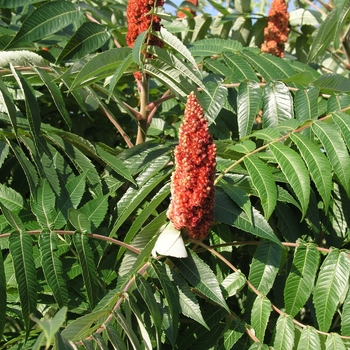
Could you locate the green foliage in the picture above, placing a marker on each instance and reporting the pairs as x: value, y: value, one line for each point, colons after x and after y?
x: 85, y: 185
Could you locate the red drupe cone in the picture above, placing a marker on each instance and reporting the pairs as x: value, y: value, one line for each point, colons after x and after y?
x: 139, y: 20
x: 192, y: 182
x: 276, y: 31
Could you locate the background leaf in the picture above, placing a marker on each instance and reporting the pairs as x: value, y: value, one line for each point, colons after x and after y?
x: 88, y: 38
x: 45, y: 21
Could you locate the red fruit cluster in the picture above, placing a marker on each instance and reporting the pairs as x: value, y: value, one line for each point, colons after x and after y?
x: 276, y: 31
x: 139, y: 20
x: 192, y: 182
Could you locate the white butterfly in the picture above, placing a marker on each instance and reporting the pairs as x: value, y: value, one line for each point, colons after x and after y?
x: 170, y: 243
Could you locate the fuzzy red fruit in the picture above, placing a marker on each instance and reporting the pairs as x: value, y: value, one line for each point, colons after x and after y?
x: 192, y: 182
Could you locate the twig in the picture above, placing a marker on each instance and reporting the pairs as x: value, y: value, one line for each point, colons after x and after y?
x: 315, y: 7
x: 154, y: 105
x: 117, y: 126
x: 282, y: 138
x: 218, y: 255
x: 327, y: 6
x: 92, y: 235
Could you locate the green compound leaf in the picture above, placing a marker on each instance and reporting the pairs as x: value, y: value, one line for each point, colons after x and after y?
x: 88, y: 267
x: 100, y: 66
x: 264, y: 267
x: 318, y: 165
x: 228, y: 212
x: 56, y: 95
x: 342, y: 120
x: 21, y: 248
x: 277, y: 104
x: 248, y: 106
x: 42, y: 203
x: 188, y: 303
x: 51, y: 327
x: 334, y: 342
x: 46, y: 20
x: 263, y: 182
x: 202, y: 278
x: 345, y: 320
x: 284, y: 333
x: 331, y: 284
x: 31, y: 103
x: 309, y: 339
x: 260, y: 314
x: 80, y: 328
x: 300, y: 281
x: 295, y: 171
x: 306, y: 103
x: 52, y: 267
x: 3, y: 295
x: 88, y: 38
x: 336, y: 151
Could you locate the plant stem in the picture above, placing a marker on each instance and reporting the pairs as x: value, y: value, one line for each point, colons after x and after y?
x: 142, y: 121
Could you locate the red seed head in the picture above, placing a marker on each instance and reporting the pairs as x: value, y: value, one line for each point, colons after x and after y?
x: 276, y: 31
x: 192, y: 182
x: 139, y: 20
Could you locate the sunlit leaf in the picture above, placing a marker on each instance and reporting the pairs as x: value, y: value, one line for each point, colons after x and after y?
x: 318, y: 165
x: 264, y: 267
x: 284, y: 333
x: 260, y: 315
x: 300, y: 281
x: 330, y: 286
x: 295, y: 171
x: 263, y: 182
x: 309, y: 339
x: 277, y: 104
x: 336, y: 151
x: 248, y: 106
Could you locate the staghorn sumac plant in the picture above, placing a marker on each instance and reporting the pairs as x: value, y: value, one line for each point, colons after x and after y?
x: 94, y: 165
